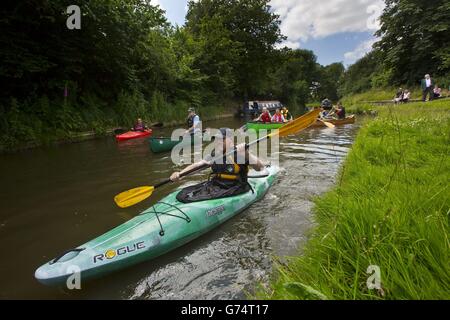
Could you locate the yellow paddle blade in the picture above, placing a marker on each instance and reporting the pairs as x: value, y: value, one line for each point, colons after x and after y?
x: 131, y: 197
x: 298, y: 124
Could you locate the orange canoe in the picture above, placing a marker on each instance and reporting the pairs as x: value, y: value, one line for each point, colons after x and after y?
x: 348, y: 120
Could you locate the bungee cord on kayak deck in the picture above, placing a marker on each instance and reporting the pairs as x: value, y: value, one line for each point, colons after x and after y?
x: 157, y: 213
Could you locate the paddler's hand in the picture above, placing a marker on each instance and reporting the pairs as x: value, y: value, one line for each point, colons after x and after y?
x: 241, y: 148
x: 175, y: 177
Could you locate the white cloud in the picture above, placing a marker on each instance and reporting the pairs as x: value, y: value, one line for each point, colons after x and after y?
x: 156, y: 3
x: 305, y: 19
x: 360, y: 51
x: 289, y: 44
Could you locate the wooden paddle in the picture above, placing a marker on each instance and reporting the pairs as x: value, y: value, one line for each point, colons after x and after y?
x: 134, y: 196
x: 328, y: 124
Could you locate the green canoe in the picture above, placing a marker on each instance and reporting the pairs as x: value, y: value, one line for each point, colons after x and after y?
x: 264, y: 126
x: 165, y: 144
x: 162, y: 144
x: 161, y: 228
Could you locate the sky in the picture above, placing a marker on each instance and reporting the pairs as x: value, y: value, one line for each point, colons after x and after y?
x: 336, y: 30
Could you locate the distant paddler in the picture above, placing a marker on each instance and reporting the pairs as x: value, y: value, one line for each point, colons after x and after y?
x: 193, y: 122
x: 340, y: 111
x: 286, y: 114
x: 139, y: 126
x: 278, y: 117
x: 265, y: 116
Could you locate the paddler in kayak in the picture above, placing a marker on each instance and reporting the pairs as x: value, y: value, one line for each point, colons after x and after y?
x: 265, y: 116
x: 139, y: 126
x: 193, y: 122
x: 229, y: 175
x: 278, y: 117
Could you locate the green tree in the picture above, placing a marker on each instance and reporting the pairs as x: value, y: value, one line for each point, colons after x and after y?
x: 294, y: 74
x: 238, y: 38
x: 415, y: 38
x: 358, y: 77
x: 329, y: 78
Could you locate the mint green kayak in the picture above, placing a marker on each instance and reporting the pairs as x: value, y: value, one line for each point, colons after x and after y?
x: 163, y: 227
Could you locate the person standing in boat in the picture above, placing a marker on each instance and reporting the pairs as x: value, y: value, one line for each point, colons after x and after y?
x: 193, y: 122
x: 278, y: 117
x: 229, y: 174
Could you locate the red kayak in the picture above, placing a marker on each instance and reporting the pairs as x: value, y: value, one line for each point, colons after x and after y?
x: 133, y: 135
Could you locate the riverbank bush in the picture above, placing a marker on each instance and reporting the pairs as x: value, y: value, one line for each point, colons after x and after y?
x: 43, y: 121
x: 389, y: 209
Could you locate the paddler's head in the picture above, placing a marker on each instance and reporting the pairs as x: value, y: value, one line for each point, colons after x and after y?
x: 191, y: 112
x: 139, y: 120
x: 265, y: 110
x: 278, y: 111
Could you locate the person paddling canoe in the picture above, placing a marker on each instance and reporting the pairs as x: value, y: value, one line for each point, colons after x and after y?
x: 286, y: 114
x: 265, y: 116
x: 228, y: 176
x: 340, y: 111
x: 278, y: 117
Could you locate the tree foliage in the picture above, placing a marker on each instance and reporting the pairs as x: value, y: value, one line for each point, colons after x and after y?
x: 414, y: 40
x: 127, y: 61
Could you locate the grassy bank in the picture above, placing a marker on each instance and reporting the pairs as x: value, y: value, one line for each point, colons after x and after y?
x: 363, y: 103
x: 390, y: 209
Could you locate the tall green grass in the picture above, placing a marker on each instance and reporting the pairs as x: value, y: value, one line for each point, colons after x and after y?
x: 390, y: 208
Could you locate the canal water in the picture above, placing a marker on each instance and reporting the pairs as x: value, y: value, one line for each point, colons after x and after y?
x: 57, y: 198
